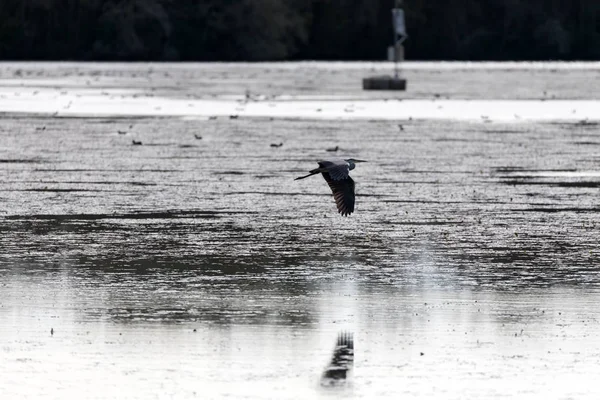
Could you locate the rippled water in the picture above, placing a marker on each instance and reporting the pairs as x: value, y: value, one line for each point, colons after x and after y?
x: 189, y: 267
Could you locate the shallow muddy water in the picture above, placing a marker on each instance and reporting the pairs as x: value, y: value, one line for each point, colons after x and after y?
x: 198, y: 268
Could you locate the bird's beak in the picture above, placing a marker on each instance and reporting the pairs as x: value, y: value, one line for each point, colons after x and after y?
x: 359, y: 161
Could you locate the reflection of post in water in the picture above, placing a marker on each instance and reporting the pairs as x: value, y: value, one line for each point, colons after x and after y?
x: 342, y: 360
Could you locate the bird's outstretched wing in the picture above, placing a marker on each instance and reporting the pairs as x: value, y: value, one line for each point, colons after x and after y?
x: 342, y: 360
x: 343, y: 193
x: 338, y: 170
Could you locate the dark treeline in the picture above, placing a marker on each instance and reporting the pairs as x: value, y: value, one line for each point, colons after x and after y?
x: 233, y: 30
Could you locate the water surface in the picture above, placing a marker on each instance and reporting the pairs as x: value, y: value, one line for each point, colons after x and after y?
x: 198, y: 268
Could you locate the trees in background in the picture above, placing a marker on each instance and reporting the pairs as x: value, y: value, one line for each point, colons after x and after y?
x: 296, y: 29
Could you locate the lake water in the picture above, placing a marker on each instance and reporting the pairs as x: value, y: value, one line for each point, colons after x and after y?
x: 198, y: 268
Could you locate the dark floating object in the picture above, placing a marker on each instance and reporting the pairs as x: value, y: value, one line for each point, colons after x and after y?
x: 384, y: 83
x: 341, y: 362
x: 51, y: 331
x: 198, y: 137
x: 586, y: 122
x: 212, y: 117
x: 233, y: 117
x: 40, y: 128
x: 337, y: 174
x: 401, y: 127
x: 122, y: 132
x: 276, y: 145
x: 136, y: 142
x: 336, y: 148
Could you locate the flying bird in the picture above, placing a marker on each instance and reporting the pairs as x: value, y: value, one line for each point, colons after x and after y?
x: 337, y: 174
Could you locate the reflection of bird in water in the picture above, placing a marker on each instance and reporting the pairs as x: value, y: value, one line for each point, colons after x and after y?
x: 136, y: 142
x: 336, y: 148
x: 337, y: 174
x: 341, y: 362
x: 276, y: 145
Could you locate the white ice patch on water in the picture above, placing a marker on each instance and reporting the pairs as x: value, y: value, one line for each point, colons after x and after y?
x: 108, y: 102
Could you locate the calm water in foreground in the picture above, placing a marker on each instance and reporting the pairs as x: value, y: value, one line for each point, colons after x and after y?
x: 198, y: 268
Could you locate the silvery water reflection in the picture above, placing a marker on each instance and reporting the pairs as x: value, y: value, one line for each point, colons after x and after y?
x: 199, y: 268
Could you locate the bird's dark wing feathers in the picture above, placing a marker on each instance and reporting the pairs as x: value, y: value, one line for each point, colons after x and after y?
x: 337, y: 170
x: 343, y: 193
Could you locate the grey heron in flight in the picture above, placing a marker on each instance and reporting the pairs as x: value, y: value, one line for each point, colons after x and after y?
x: 337, y: 174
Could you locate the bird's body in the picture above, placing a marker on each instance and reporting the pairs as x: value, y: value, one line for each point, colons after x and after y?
x: 337, y: 175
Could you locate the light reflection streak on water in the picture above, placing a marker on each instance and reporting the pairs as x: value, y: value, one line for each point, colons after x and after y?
x: 470, y: 340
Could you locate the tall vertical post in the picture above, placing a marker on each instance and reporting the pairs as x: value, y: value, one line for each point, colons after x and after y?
x: 396, y: 38
x: 387, y: 82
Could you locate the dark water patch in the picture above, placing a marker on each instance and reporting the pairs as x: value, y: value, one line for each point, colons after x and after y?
x: 581, y: 184
x: 291, y: 194
x: 257, y: 314
x: 167, y: 145
x: 228, y: 173
x: 511, y: 169
x: 20, y: 161
x: 587, y: 143
x: 560, y: 209
x: 420, y: 223
x: 103, y: 170
x: 507, y: 169
x: 131, y: 183
x: 433, y: 171
x: 436, y: 182
x: 578, y: 124
x: 452, y: 140
x: 135, y: 215
x: 83, y: 117
x: 503, y: 131
x: 58, y: 190
x: 424, y: 201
